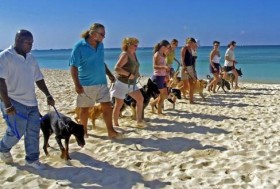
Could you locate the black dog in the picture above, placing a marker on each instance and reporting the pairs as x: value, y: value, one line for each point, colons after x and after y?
x: 63, y: 127
x: 173, y: 95
x: 149, y: 90
x: 221, y: 83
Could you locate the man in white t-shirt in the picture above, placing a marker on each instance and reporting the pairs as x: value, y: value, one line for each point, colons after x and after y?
x: 230, y: 63
x: 18, y: 72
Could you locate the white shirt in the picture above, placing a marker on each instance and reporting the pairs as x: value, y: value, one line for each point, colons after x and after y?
x: 20, y: 75
x: 230, y: 54
x: 216, y: 59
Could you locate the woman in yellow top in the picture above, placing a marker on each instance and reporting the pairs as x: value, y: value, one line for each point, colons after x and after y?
x: 170, y: 57
x: 127, y: 72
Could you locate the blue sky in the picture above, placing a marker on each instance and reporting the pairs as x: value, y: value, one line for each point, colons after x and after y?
x: 58, y: 23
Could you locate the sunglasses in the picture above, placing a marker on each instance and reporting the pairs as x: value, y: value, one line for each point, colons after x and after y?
x: 102, y: 34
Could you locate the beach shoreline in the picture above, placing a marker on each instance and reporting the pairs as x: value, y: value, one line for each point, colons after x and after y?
x: 228, y: 141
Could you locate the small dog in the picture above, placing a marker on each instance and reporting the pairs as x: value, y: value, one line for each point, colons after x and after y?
x: 93, y: 113
x: 173, y: 95
x: 221, y: 84
x: 63, y: 127
x: 149, y: 90
x: 230, y: 76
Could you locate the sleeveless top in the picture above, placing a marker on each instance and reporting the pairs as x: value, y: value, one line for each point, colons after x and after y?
x: 170, y: 57
x: 160, y: 72
x: 132, y: 67
x: 189, y: 60
x: 216, y: 59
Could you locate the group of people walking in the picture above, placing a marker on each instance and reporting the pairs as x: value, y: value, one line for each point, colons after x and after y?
x: 19, y: 71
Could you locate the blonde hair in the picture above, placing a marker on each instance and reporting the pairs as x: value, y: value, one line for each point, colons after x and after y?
x: 190, y: 39
x: 93, y: 28
x: 128, y: 41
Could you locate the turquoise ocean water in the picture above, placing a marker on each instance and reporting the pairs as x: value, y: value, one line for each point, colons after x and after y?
x: 259, y: 64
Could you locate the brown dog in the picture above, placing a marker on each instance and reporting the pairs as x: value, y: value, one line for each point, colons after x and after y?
x: 93, y: 113
x: 199, y: 86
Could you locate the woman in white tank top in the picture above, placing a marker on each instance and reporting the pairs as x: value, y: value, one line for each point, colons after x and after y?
x: 215, y: 66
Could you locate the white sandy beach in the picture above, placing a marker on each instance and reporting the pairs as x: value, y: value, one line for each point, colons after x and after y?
x: 228, y: 141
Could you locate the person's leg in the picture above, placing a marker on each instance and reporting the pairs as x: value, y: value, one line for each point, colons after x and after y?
x: 107, y: 116
x: 191, y: 90
x: 18, y: 125
x: 104, y: 98
x: 138, y: 97
x: 84, y: 119
x: 116, y: 111
x: 184, y: 87
x: 235, y: 78
x: 162, y: 97
x: 31, y: 138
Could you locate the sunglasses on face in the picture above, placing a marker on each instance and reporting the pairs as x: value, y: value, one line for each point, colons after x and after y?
x: 102, y: 34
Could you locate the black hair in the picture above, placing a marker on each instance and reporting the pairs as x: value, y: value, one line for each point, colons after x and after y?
x: 232, y: 43
x: 216, y: 42
x: 22, y: 34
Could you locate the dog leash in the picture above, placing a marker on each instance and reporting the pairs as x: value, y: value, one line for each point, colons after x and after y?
x: 57, y: 112
x: 59, y: 119
x: 13, y: 127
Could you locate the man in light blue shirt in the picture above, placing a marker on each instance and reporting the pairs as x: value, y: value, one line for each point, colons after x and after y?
x: 89, y: 76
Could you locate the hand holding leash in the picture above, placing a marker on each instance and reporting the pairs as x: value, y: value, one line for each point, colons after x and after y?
x: 50, y: 100
x: 10, y: 110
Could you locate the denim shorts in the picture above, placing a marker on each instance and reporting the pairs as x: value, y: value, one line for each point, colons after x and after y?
x: 160, y: 81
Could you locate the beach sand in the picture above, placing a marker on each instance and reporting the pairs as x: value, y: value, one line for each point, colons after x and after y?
x: 228, y: 141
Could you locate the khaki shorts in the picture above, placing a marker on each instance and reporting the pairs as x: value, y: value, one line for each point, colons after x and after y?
x: 190, y: 73
x: 93, y: 94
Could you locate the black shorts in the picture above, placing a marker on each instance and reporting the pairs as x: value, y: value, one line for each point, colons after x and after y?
x: 228, y: 68
x: 217, y: 66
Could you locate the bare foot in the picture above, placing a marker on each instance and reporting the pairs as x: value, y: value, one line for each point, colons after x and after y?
x: 114, y: 135
x: 161, y: 113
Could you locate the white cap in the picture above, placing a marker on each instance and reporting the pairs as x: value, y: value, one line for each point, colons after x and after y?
x: 197, y: 42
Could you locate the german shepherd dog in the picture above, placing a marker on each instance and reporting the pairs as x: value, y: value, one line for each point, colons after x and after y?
x: 63, y: 127
x: 221, y: 84
x: 149, y: 90
x: 230, y: 76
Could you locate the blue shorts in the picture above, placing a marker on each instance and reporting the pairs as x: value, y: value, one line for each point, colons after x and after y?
x: 160, y: 81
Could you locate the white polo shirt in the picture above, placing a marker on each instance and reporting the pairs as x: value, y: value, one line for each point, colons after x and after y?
x: 20, y: 75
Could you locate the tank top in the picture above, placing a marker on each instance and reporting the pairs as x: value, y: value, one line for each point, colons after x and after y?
x: 216, y: 59
x: 161, y: 72
x: 132, y: 67
x: 189, y: 60
x: 170, y: 57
